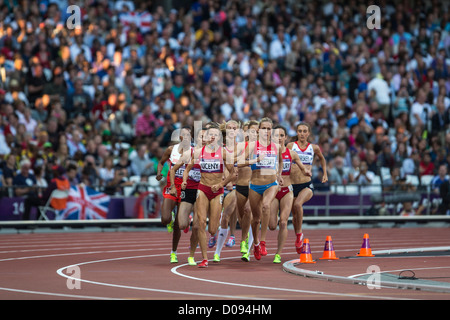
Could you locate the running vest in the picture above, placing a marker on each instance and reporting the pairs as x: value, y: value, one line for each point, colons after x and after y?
x: 194, y: 175
x: 270, y: 160
x: 287, y: 160
x: 173, y: 159
x: 306, y: 155
x: 211, y: 162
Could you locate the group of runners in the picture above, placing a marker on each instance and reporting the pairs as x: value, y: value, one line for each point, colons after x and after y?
x: 237, y: 173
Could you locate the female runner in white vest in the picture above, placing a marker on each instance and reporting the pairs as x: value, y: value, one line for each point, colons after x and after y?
x: 188, y: 191
x: 302, y: 185
x: 285, y: 196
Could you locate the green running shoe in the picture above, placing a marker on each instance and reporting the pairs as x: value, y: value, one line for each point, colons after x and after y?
x: 277, y: 258
x: 173, y: 258
x: 244, y: 246
x: 191, y: 261
x: 246, y: 257
x: 170, y: 225
x: 216, y: 258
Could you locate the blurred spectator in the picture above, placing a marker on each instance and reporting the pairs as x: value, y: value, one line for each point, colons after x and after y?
x: 73, y: 175
x: 126, y: 76
x: 9, y: 169
x: 106, y: 171
x: 75, y: 142
x: 426, y: 166
x: 146, y: 123
x: 115, y: 186
x: 78, y: 102
x: 439, y: 179
x: 25, y: 186
x: 164, y: 132
x: 407, y: 209
x: 363, y: 177
x: 444, y: 191
x: 339, y: 175
x: 140, y: 162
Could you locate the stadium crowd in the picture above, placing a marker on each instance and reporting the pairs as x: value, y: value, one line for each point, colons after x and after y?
x: 102, y: 99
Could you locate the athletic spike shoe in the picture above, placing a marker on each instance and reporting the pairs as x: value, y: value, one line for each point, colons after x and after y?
x: 170, y: 225
x: 262, y: 245
x: 277, y: 258
x: 299, y: 243
x: 173, y: 258
x: 203, y: 264
x: 216, y: 258
x: 245, y: 257
x: 231, y: 242
x: 244, y: 246
x: 257, y: 252
x: 212, y: 241
x: 191, y: 261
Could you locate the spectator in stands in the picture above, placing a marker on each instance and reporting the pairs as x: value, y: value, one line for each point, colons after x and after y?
x: 123, y: 161
x: 89, y: 172
x: 440, y: 120
x: 426, y: 166
x: 122, y: 48
x: 140, y: 162
x: 439, y: 179
x: 59, y: 182
x: 339, y: 174
x: 146, y: 123
x: 79, y: 102
x: 364, y: 177
x: 75, y: 142
x: 72, y: 174
x: 9, y: 169
x: 407, y: 209
x: 419, y: 110
x: 106, y: 171
x: 115, y: 186
x: 444, y: 190
x: 25, y: 186
x: 386, y: 157
x: 163, y: 134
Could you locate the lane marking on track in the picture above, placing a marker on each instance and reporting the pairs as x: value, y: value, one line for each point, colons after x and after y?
x: 209, y: 295
x: 175, y: 271
x: 55, y: 294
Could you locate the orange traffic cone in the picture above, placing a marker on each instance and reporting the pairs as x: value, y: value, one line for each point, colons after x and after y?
x: 365, y: 250
x: 305, y: 256
x: 328, y: 250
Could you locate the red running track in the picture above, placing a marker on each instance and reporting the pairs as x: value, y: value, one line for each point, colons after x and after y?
x: 135, y: 265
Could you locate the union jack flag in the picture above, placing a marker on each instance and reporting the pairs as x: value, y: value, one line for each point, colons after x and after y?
x: 85, y: 203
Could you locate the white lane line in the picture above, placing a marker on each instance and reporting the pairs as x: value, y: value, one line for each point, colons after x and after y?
x: 54, y: 294
x: 358, y: 296
x: 208, y: 295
